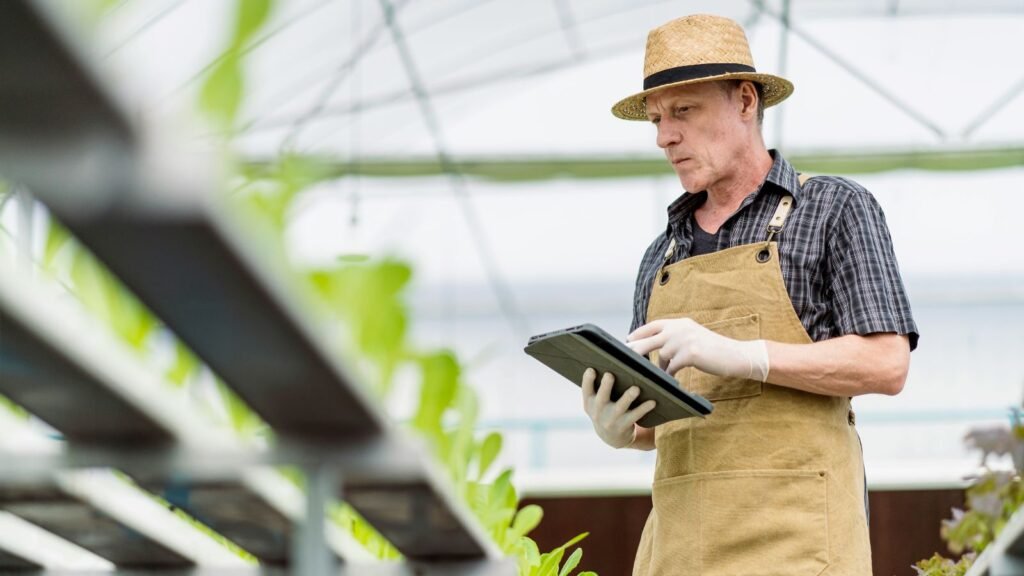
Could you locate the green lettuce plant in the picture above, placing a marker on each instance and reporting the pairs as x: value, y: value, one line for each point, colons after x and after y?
x: 991, y: 499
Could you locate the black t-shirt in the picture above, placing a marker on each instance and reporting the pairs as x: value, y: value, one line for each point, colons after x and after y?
x: 703, y: 243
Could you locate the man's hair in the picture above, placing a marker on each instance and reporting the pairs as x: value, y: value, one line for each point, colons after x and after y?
x: 728, y: 86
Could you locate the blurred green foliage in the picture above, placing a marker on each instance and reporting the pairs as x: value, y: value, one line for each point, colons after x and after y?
x: 362, y: 301
x: 222, y: 93
x: 992, y: 499
x: 13, y: 409
x: 367, y: 298
x: 937, y: 565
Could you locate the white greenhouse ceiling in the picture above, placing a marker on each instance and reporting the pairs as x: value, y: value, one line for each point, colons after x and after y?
x: 529, y: 79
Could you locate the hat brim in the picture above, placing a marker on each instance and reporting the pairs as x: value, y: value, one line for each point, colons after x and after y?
x: 776, y: 89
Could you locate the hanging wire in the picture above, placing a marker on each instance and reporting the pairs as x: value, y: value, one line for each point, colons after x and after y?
x: 144, y: 27
x: 366, y: 48
x: 500, y: 76
x: 342, y: 72
x: 479, y: 54
x: 506, y: 301
x: 570, y: 29
x: 354, y: 145
x: 856, y: 73
x: 249, y: 47
x: 992, y: 109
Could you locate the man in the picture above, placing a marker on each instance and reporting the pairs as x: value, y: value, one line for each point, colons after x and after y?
x: 774, y: 298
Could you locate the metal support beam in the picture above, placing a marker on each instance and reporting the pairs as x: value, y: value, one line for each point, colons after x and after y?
x: 15, y: 563
x: 50, y: 508
x: 530, y: 169
x: 862, y: 77
x: 506, y: 300
x: 56, y: 111
x: 994, y: 108
x: 26, y: 228
x: 312, y: 557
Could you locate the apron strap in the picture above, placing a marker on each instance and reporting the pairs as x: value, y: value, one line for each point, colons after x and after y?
x: 668, y: 253
x: 775, y: 224
x: 785, y: 205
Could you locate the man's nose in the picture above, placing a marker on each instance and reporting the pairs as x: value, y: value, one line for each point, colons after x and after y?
x: 667, y: 136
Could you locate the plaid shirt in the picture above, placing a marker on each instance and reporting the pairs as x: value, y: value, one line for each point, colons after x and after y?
x: 835, y: 251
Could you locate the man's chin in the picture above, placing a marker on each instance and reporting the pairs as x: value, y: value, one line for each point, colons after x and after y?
x: 691, y: 185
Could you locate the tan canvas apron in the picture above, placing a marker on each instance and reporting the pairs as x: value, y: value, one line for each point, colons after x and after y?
x: 772, y: 481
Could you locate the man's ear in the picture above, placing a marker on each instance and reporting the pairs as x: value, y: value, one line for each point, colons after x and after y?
x: 748, y: 98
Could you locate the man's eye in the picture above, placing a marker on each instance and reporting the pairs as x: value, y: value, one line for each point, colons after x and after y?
x: 682, y: 109
x: 655, y: 121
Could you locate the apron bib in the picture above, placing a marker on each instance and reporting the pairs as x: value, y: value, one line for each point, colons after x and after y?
x: 772, y: 481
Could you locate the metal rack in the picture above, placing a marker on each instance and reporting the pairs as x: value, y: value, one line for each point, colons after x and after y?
x: 151, y: 216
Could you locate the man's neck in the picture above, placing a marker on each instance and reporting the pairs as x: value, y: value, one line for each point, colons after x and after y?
x: 727, y: 194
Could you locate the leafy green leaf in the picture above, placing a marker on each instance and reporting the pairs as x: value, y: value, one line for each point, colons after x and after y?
x: 104, y: 296
x: 489, y: 450
x: 185, y: 366
x: 939, y: 566
x: 549, y: 562
x: 571, y: 562
x: 221, y: 94
x: 15, y: 410
x: 240, y: 416
x: 251, y: 16
x: 385, y: 333
x: 130, y: 319
x: 362, y: 532
x: 89, y: 287
x: 393, y: 276
x: 527, y: 519
x: 528, y: 553
x: 56, y: 237
x: 502, y: 494
x: 574, y: 540
x: 437, y: 391
x: 463, y: 447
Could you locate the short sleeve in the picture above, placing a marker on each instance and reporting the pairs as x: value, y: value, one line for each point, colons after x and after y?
x: 866, y: 289
x: 642, y: 290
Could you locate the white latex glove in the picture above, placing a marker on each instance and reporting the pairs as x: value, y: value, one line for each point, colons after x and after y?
x: 682, y: 342
x: 614, y: 422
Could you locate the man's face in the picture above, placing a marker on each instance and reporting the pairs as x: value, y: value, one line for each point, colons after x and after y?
x: 701, y: 130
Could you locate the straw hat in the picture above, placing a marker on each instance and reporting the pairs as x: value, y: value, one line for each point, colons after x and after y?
x: 695, y: 49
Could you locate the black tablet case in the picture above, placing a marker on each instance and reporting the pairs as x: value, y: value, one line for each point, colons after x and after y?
x: 571, y: 351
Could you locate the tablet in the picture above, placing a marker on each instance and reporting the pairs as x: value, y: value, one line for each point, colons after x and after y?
x: 572, y: 350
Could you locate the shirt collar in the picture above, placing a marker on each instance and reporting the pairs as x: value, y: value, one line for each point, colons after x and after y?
x: 782, y: 175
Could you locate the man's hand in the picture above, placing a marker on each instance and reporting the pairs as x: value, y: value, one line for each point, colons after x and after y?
x: 682, y: 342
x: 614, y: 422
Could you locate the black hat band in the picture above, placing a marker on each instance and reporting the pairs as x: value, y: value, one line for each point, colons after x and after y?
x: 693, y: 72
